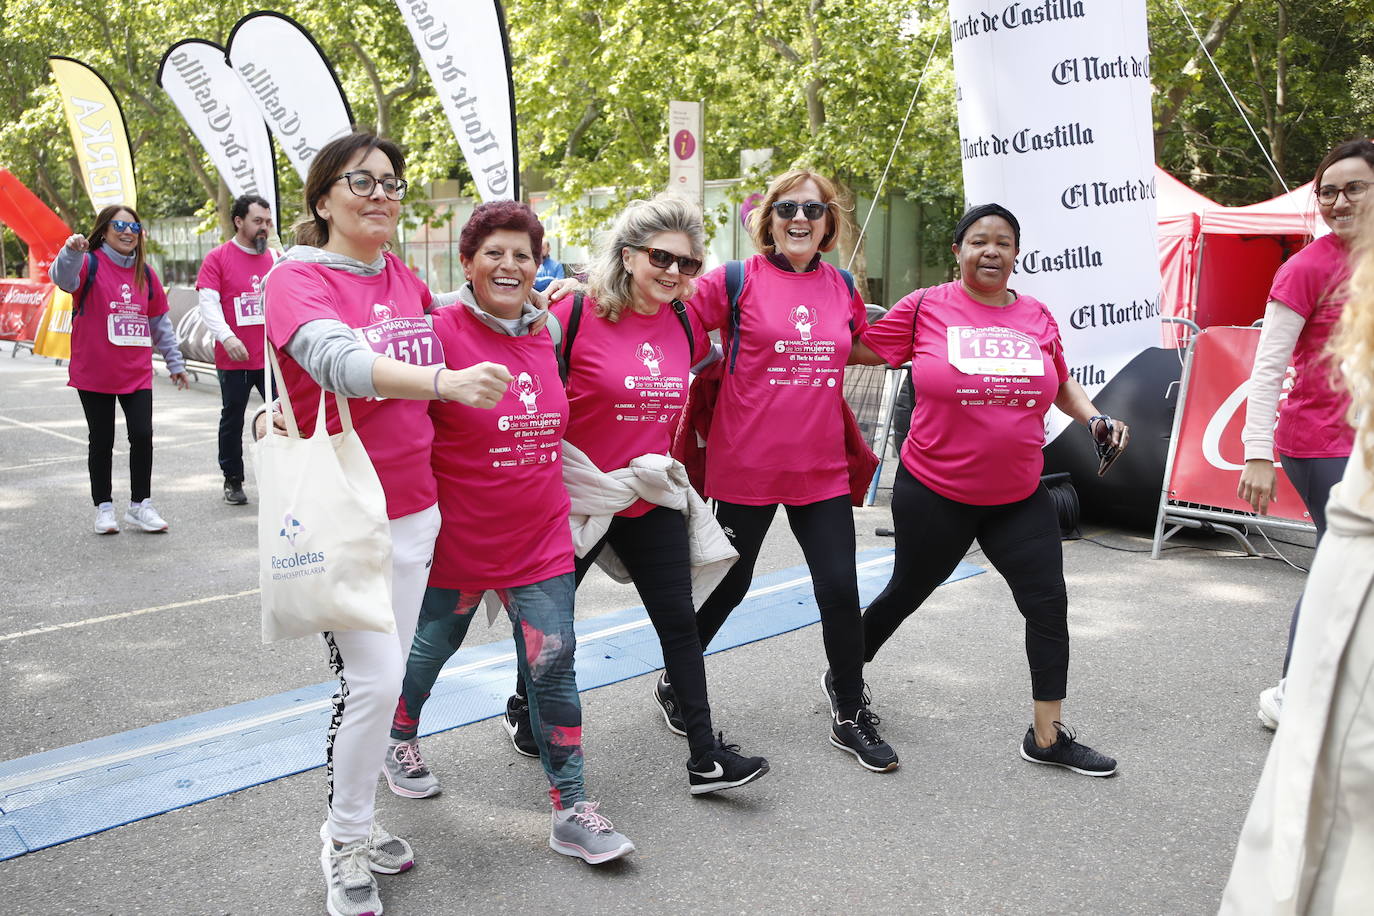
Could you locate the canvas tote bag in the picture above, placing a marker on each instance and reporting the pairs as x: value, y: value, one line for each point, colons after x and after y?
x: 324, y: 541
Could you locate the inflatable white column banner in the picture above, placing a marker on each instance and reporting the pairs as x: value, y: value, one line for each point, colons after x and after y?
x: 1055, y: 124
x: 216, y: 105
x: 463, y: 44
x: 290, y: 83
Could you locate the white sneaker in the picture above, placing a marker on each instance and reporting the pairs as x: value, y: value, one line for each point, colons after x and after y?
x: 145, y: 516
x: 1271, y: 705
x: 105, y: 519
x: 350, y: 888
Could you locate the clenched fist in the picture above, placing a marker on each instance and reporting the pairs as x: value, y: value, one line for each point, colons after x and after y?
x: 482, y: 385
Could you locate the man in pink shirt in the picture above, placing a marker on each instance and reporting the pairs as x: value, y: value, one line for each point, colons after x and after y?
x: 230, y: 289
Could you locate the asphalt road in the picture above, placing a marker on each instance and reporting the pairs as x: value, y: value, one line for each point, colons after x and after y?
x: 102, y: 634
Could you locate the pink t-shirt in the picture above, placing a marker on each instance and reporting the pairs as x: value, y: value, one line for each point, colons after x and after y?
x: 388, y: 313
x: 1312, y: 419
x: 627, y: 383
x: 112, y: 342
x: 984, y: 378
x: 777, y: 435
x: 237, y: 276
x: 500, y: 471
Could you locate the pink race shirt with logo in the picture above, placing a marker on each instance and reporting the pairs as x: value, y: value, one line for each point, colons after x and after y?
x: 387, y: 312
x: 777, y: 435
x: 1312, y: 419
x: 112, y: 341
x: 627, y: 383
x: 237, y: 276
x: 984, y: 378
x: 500, y: 471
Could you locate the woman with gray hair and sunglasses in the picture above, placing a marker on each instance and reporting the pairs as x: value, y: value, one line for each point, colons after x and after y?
x: 626, y: 350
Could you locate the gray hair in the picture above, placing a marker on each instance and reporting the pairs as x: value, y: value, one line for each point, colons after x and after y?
x: 608, y: 281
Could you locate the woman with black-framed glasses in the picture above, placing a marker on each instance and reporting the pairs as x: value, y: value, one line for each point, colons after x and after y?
x: 1306, y: 299
x: 119, y: 313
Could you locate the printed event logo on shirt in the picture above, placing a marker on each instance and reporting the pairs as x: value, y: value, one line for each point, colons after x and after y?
x: 128, y: 326
x: 659, y: 396
x: 248, y: 306
x: 294, y: 562
x: 803, y: 319
x: 808, y: 360
x: 536, y: 434
x: 650, y: 356
x: 410, y: 340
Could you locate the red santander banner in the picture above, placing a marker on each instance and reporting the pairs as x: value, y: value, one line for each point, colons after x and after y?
x: 21, y: 307
x: 1209, y: 454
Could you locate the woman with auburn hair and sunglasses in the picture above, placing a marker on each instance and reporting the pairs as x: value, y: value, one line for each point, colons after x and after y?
x: 119, y: 313
x: 627, y: 350
x: 1312, y: 436
x: 348, y: 316
x: 777, y: 434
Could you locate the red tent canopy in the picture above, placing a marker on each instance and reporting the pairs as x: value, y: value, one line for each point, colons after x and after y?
x: 1217, y: 262
x: 35, y: 224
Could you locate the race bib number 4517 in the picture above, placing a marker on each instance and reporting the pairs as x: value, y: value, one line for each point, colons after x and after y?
x: 994, y: 351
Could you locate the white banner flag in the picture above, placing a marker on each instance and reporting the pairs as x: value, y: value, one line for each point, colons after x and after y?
x: 219, y: 111
x: 685, y: 172
x: 291, y: 84
x: 1055, y: 124
x: 463, y: 44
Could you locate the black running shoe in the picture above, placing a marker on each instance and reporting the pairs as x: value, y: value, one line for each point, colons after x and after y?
x: 233, y: 492
x: 667, y: 702
x: 517, y: 723
x: 828, y: 685
x: 1066, y: 752
x: 859, y: 736
x: 723, y: 767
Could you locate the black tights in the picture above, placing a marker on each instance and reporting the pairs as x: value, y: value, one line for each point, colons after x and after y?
x: 825, y: 531
x: 1020, y: 539
x: 654, y: 549
x: 100, y: 420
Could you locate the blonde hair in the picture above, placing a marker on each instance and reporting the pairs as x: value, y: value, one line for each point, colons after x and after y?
x: 1352, y: 345
x: 608, y: 281
x: 837, y: 221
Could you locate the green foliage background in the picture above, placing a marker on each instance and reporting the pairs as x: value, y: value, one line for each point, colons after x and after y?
x: 822, y: 82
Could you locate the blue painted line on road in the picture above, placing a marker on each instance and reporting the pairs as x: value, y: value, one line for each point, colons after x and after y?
x: 72, y: 792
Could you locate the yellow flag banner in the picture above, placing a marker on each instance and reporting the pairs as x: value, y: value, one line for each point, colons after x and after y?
x: 97, y: 124
x: 54, y: 338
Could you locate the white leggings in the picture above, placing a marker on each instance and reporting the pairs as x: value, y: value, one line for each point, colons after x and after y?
x: 370, y: 667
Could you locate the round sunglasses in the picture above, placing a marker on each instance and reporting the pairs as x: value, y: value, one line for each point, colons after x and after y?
x: 812, y: 209
x: 688, y: 267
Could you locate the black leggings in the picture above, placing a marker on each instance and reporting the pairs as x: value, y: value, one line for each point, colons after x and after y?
x: 825, y: 531
x: 100, y: 420
x: 1020, y: 539
x: 654, y: 549
x: 1313, y: 478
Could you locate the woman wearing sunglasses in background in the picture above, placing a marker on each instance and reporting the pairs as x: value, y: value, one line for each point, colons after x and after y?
x: 628, y: 349
x: 777, y: 435
x: 336, y: 305
x: 119, y: 313
x: 970, y: 468
x: 1313, y: 436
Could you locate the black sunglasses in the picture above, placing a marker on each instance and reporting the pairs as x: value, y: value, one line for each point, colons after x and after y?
x: 688, y: 267
x: 812, y: 209
x: 123, y: 225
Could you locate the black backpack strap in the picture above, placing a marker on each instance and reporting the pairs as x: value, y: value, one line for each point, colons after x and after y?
x: 91, y: 263
x: 564, y: 352
x: 849, y: 284
x: 734, y: 284
x: 680, y: 310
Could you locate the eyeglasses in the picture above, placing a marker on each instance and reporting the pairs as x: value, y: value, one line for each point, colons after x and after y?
x: 1353, y: 191
x: 688, y: 267
x: 363, y: 183
x: 123, y: 225
x: 812, y: 209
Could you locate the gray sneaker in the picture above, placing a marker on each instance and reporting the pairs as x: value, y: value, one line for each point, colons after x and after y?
x: 588, y: 835
x: 352, y: 891
x: 406, y: 772
x: 389, y: 855
x: 142, y: 515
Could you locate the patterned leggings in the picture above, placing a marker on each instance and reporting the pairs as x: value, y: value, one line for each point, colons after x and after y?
x: 542, y: 619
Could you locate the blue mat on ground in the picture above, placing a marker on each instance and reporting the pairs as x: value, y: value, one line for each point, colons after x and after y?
x: 75, y: 791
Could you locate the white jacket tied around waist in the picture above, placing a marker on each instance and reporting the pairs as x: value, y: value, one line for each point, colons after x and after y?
x: 598, y: 495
